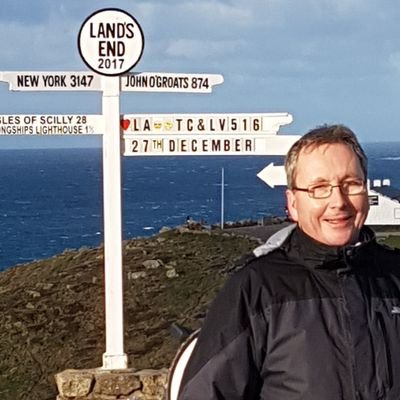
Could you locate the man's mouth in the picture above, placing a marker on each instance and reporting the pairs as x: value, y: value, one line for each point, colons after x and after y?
x: 339, y: 220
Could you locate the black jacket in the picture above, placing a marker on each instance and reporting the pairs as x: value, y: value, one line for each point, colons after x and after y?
x: 304, y: 321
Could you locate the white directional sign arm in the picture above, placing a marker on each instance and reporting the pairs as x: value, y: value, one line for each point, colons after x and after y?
x: 275, y: 121
x: 170, y: 82
x: 205, y: 145
x: 273, y: 175
x: 206, y: 134
x: 238, y: 123
x: 51, y: 80
x: 46, y: 124
x: 274, y: 145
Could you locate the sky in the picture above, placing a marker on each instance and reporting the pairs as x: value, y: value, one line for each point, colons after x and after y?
x: 323, y: 61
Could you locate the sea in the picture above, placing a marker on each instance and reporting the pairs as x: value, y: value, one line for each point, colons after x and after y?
x: 52, y: 200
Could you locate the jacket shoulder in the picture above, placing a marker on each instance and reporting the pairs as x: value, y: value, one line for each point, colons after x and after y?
x: 388, y: 250
x: 387, y: 258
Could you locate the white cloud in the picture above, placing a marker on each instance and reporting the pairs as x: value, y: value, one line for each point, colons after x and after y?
x: 281, y: 53
x: 394, y: 61
x: 201, y: 49
x: 219, y: 12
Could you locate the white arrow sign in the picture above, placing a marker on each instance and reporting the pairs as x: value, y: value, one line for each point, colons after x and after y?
x: 51, y: 124
x: 273, y: 175
x: 206, y: 145
x: 263, y: 123
x: 170, y: 82
x: 51, y: 81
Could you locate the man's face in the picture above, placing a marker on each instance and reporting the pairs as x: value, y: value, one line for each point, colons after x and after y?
x: 336, y: 220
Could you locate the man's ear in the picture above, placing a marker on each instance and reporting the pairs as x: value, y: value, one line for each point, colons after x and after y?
x: 291, y: 205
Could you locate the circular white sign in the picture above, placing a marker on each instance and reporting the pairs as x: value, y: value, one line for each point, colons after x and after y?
x: 110, y: 42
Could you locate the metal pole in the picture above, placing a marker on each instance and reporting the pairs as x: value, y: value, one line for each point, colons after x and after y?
x: 222, y: 198
x: 114, y: 357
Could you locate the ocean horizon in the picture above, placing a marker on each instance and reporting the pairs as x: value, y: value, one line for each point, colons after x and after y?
x: 52, y: 198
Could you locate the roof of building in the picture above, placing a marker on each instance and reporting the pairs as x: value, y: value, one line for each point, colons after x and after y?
x: 388, y: 191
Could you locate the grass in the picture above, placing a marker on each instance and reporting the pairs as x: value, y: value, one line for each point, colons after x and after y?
x: 391, y: 240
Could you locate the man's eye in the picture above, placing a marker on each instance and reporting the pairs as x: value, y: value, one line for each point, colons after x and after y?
x: 320, y: 187
x: 352, y: 184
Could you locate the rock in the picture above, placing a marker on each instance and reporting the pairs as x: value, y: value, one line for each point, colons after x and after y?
x: 119, y: 383
x: 154, y: 383
x: 183, y: 229
x: 44, y: 285
x: 74, y: 383
x: 137, y: 275
x: 33, y: 293
x: 171, y: 273
x: 152, y: 264
x: 165, y: 229
x: 172, y: 263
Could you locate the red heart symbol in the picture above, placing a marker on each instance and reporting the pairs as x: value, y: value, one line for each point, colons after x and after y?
x: 125, y: 124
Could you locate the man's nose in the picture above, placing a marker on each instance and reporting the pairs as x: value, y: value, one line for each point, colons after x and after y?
x: 337, y: 197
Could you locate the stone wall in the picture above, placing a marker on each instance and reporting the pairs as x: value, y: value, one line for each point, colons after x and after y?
x: 99, y: 384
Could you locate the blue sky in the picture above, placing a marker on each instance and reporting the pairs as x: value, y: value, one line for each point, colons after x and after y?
x: 324, y: 61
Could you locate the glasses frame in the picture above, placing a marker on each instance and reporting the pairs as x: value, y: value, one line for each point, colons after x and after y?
x: 311, y: 193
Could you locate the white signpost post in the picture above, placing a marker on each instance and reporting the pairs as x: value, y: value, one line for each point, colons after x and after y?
x: 111, y: 43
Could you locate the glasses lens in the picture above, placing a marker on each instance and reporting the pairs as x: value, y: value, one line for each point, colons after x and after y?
x: 349, y: 188
x: 321, y: 191
x: 353, y: 187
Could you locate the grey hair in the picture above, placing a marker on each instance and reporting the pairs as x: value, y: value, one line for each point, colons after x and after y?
x: 326, y: 134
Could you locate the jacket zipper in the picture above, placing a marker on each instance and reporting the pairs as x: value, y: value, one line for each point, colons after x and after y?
x: 387, y: 378
x: 344, y: 314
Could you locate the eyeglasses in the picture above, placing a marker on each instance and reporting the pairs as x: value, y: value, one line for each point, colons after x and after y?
x: 324, y: 190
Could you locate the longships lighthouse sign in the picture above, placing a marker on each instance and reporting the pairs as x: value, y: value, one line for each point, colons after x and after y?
x: 111, y: 43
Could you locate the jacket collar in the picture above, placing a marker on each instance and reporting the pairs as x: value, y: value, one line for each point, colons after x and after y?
x: 314, y: 254
x: 304, y: 250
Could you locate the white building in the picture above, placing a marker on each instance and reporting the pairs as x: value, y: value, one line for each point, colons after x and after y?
x: 384, y: 201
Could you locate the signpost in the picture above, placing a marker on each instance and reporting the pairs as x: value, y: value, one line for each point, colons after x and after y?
x: 51, y: 81
x: 170, y: 82
x: 205, y: 134
x: 51, y: 124
x: 111, y: 42
x: 206, y: 145
x: 262, y: 123
x: 90, y: 81
x: 273, y: 175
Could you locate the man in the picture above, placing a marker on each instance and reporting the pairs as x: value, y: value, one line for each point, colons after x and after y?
x: 315, y: 313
